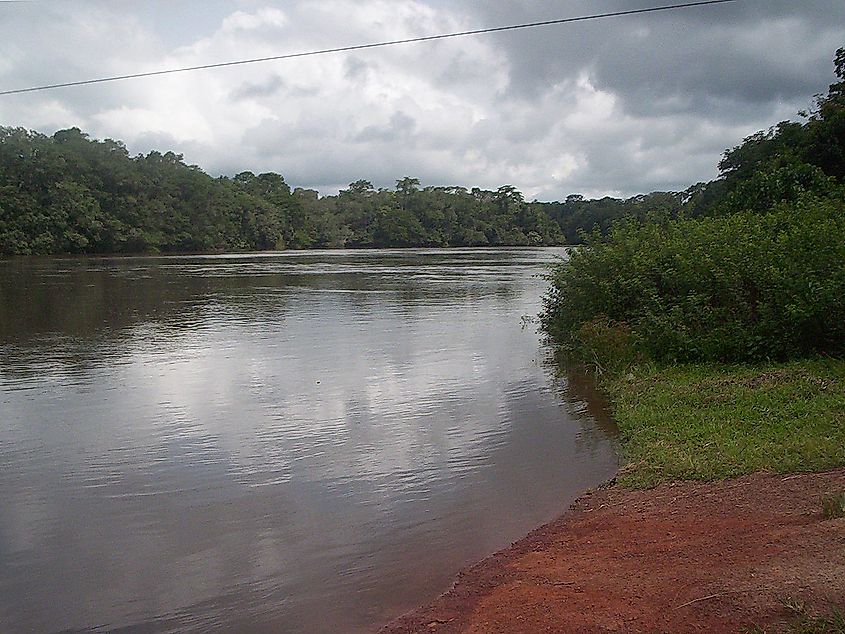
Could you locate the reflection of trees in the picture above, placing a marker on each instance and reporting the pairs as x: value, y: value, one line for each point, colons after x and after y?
x: 441, y: 462
x: 86, y: 304
x: 80, y: 311
x: 578, y: 388
x: 89, y: 298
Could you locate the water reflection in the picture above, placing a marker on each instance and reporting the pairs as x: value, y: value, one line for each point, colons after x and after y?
x: 299, y: 442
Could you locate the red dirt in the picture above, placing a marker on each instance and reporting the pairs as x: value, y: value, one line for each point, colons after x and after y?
x: 686, y: 557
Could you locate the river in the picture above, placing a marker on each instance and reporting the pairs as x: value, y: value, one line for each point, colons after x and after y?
x: 285, y: 442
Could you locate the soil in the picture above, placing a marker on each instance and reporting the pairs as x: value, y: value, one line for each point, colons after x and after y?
x: 685, y: 557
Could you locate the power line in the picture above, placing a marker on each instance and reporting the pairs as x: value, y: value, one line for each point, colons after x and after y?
x: 359, y: 47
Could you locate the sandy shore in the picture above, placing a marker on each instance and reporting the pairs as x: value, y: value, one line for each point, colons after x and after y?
x: 686, y: 557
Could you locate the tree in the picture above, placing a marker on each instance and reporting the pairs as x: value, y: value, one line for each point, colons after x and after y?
x: 69, y: 193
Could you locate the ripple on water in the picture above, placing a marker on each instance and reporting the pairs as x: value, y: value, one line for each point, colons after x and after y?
x: 298, y: 442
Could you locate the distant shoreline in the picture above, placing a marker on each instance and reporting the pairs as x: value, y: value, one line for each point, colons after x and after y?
x: 271, y: 253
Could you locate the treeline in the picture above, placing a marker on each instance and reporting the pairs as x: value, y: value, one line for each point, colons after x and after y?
x: 753, y: 267
x: 71, y: 194
x: 362, y: 216
x: 577, y: 215
x: 67, y: 193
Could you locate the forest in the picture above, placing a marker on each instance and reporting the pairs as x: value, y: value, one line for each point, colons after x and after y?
x: 67, y: 193
x: 70, y: 194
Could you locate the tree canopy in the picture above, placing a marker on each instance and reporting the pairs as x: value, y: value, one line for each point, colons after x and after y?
x: 68, y: 193
x: 752, y: 269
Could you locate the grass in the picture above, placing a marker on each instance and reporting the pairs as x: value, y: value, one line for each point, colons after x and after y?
x: 833, y: 624
x: 805, y: 622
x: 716, y: 421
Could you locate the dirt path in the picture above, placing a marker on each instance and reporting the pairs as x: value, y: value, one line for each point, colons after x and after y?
x: 687, y: 557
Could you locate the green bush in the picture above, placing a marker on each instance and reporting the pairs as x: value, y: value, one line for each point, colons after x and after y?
x: 606, y: 345
x: 748, y: 286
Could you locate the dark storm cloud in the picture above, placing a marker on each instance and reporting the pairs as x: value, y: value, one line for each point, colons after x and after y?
x: 738, y: 65
x: 751, y: 50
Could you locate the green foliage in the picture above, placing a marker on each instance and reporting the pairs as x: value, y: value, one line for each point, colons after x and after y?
x: 744, y: 287
x: 69, y: 194
x: 577, y: 215
x: 607, y: 346
x: 778, y: 181
x: 749, y: 267
x: 713, y: 421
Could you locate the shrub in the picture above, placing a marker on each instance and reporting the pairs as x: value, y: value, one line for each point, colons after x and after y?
x: 743, y: 287
x: 606, y: 345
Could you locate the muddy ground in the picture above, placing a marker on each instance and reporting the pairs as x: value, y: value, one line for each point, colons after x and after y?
x: 686, y: 557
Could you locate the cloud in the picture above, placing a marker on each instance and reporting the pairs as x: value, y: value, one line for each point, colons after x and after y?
x: 259, y: 89
x: 618, y: 105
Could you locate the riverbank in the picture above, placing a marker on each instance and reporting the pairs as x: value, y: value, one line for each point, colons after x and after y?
x: 714, y: 421
x: 713, y: 525
x: 727, y: 556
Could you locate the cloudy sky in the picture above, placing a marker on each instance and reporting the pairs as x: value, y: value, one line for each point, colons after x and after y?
x: 614, y: 106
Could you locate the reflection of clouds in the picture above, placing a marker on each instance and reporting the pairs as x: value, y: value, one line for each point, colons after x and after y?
x: 268, y: 447
x: 282, y: 393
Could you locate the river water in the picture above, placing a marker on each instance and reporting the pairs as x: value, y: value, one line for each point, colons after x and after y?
x: 287, y: 442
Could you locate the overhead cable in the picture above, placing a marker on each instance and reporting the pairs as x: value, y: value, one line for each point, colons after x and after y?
x: 359, y: 47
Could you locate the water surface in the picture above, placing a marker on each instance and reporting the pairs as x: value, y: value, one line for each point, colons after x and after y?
x: 287, y: 442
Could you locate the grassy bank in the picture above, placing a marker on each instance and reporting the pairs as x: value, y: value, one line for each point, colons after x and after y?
x: 714, y: 421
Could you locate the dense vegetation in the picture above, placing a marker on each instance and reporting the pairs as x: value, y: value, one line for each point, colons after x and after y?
x: 718, y: 328
x: 744, y: 287
x: 70, y: 194
x: 752, y: 267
